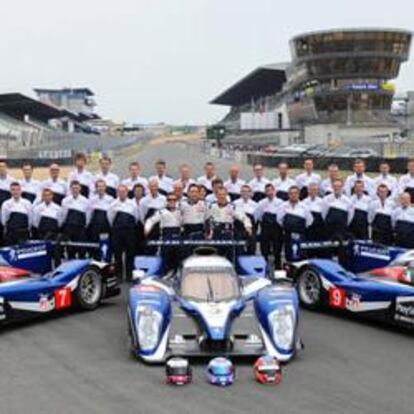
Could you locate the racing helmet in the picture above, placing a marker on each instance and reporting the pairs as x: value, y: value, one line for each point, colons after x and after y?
x: 220, y: 371
x: 267, y: 370
x: 178, y: 371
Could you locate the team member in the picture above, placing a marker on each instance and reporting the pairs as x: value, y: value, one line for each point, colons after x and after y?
x: 359, y: 175
x: 406, y: 183
x: 99, y: 205
x: 337, y: 212
x: 217, y: 185
x: 178, y: 191
x: 30, y: 186
x: 385, y: 178
x: 139, y: 194
x: 193, y: 215
x: 55, y: 184
x: 248, y: 207
x: 222, y: 217
x: 294, y: 218
x: 360, y: 206
x: 16, y: 216
x: 123, y: 217
x: 134, y: 178
x: 149, y: 205
x: 234, y: 184
x: 314, y: 204
x: 258, y: 183
x: 82, y: 176
x: 165, y: 183
x: 202, y: 192
x: 209, y: 175
x: 47, y: 217
x: 380, y: 216
x: 75, y: 218
x: 306, y: 178
x: 185, y: 177
x: 111, y: 179
x: 403, y: 222
x: 271, y: 233
x: 327, y: 183
x: 169, y: 221
x: 283, y: 182
x: 5, y: 181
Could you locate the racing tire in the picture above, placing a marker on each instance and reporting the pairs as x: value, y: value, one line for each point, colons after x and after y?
x: 90, y: 289
x: 309, y: 287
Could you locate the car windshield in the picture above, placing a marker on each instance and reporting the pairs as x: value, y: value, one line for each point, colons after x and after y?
x: 209, y: 285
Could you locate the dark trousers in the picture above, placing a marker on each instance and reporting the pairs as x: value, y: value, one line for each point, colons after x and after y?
x: 16, y: 236
x: 75, y: 234
x: 124, y: 243
x: 271, y: 243
x: 382, y: 236
x: 171, y: 254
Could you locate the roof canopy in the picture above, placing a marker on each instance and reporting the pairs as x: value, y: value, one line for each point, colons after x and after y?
x: 263, y: 81
x: 18, y: 105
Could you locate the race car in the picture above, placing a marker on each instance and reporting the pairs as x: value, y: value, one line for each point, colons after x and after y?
x: 372, y: 280
x: 199, y: 309
x: 29, y: 286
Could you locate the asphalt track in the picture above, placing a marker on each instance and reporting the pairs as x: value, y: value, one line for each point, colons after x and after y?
x: 79, y: 363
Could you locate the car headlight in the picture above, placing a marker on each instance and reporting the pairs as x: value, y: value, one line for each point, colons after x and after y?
x: 282, y: 325
x: 148, y: 326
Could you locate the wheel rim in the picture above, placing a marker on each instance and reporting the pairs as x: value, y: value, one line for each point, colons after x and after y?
x: 309, y: 287
x: 90, y: 287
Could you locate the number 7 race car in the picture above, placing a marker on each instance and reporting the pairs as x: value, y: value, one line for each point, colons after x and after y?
x: 29, y: 286
x: 372, y: 280
x: 211, y: 307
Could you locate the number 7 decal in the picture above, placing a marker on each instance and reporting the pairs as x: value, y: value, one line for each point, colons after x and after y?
x: 63, y: 298
x: 337, y: 298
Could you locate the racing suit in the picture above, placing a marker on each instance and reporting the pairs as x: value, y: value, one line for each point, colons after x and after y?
x: 16, y: 218
x: 193, y: 217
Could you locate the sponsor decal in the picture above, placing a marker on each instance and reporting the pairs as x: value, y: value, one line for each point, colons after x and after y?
x: 337, y: 298
x: 63, y: 298
x: 354, y: 302
x: 404, y: 312
x: 374, y: 252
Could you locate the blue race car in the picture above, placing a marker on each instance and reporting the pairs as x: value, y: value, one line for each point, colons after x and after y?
x: 29, y: 286
x: 371, y: 280
x: 198, y: 310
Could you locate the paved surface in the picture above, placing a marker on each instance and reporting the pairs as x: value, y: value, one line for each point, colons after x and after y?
x: 79, y: 363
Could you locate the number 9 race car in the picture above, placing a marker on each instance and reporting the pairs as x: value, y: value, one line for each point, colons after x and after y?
x: 211, y: 307
x: 29, y: 286
x: 371, y: 280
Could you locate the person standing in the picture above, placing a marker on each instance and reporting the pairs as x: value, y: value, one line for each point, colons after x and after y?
x: 314, y: 204
x: 82, y: 176
x: 165, y: 183
x: 406, y: 182
x: 360, y: 207
x: 403, y: 222
x: 47, y: 217
x: 207, y: 179
x: 134, y: 179
x: 258, y: 183
x: 111, y: 180
x: 283, y: 183
x: 234, y: 184
x: 57, y: 185
x: 359, y: 175
x: 385, y: 178
x: 306, y: 178
x: 326, y: 186
x: 30, y: 186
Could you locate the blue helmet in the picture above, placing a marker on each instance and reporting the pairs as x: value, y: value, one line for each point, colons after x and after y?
x: 220, y: 371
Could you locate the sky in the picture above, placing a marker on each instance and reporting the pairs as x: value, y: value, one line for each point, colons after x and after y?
x: 164, y: 60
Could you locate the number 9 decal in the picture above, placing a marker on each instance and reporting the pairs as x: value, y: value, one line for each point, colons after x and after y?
x: 337, y: 298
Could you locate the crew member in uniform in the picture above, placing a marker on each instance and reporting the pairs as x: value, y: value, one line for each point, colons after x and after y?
x: 337, y: 212
x: 306, y: 178
x: 111, y: 179
x: 169, y: 221
x: 185, y: 177
x: 5, y: 181
x: 16, y: 216
x: 360, y: 206
x: 387, y: 179
x: 30, y: 186
x: 165, y: 183
x: 326, y: 186
x: 294, y: 218
x: 139, y: 194
x: 75, y: 218
x: 316, y: 231
x: 283, y: 182
x: 149, y: 205
x: 258, y: 183
x: 359, y: 175
x: 57, y: 185
x: 271, y: 236
x: 207, y: 179
x: 82, y: 176
x: 221, y: 219
x: 234, y: 184
x: 403, y: 222
x: 47, y: 217
x: 380, y: 215
x: 248, y: 207
x: 134, y: 178
x: 217, y: 185
x: 99, y: 223
x: 123, y: 217
x: 406, y: 182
